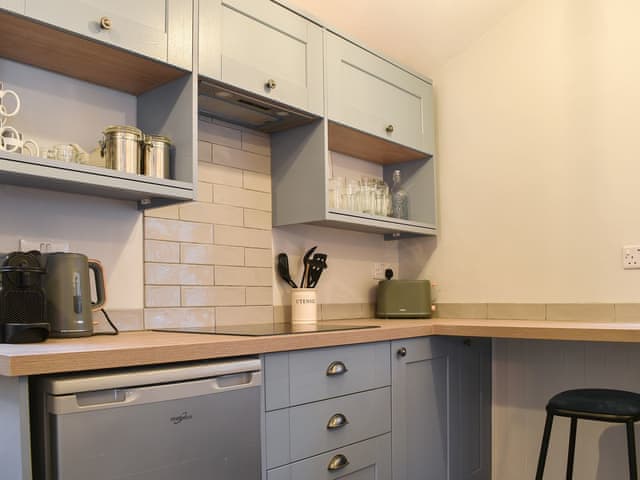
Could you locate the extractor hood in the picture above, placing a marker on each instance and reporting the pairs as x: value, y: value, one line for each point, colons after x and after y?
x: 239, y: 107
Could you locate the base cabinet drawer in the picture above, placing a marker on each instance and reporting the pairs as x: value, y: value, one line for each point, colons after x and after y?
x: 368, y: 460
x: 306, y: 376
x: 306, y: 430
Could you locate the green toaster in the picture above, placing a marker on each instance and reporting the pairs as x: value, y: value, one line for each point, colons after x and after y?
x: 403, y: 299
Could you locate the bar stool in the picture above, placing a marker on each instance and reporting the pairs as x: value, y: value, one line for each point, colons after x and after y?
x: 592, y: 404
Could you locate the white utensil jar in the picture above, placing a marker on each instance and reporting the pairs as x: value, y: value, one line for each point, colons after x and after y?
x: 304, y: 307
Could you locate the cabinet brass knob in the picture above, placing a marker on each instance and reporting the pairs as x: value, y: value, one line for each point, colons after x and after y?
x: 336, y: 368
x: 105, y: 23
x: 271, y: 84
x: 389, y: 129
x: 337, y: 421
x: 402, y: 352
x: 337, y: 463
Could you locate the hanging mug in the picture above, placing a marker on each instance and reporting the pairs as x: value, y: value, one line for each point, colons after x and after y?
x: 6, y: 111
x: 10, y: 139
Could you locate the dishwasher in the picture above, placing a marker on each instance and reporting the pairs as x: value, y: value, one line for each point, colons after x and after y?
x: 193, y: 422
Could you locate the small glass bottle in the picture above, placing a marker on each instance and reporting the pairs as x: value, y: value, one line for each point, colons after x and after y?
x: 399, y: 198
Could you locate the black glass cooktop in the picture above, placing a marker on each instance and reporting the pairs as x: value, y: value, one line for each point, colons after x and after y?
x: 258, y: 330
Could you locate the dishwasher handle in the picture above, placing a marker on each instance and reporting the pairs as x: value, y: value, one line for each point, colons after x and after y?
x: 125, y: 397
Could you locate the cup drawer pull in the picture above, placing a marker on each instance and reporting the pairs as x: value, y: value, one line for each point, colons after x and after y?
x: 336, y: 368
x: 337, y: 421
x: 337, y: 463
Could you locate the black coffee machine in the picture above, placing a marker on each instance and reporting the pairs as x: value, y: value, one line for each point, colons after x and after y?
x: 23, y: 305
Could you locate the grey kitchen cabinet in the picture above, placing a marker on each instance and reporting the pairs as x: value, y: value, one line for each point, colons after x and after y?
x: 441, y: 397
x: 373, y: 95
x: 159, y: 29
x: 164, y: 97
x: 263, y: 48
x: 328, y: 413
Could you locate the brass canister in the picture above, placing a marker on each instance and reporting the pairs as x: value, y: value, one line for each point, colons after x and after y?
x: 121, y: 148
x: 157, y: 156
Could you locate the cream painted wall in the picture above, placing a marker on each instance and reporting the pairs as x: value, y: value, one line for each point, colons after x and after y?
x: 57, y: 109
x: 539, y: 156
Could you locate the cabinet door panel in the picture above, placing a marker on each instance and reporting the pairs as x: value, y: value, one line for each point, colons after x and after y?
x: 370, y: 94
x: 421, y: 413
x: 138, y: 26
x: 261, y: 41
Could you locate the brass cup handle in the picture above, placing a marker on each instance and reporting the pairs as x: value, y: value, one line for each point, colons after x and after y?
x: 105, y: 23
x: 389, y: 129
x: 336, y: 368
x: 271, y: 84
x: 338, y: 462
x: 336, y: 421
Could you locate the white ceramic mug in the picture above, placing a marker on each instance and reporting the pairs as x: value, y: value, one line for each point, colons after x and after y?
x: 304, y: 306
x: 10, y: 139
x: 6, y: 111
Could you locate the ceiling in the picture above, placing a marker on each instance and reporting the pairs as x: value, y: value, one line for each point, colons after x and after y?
x: 421, y: 34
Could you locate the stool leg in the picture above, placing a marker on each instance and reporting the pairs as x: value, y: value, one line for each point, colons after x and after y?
x: 572, y: 447
x: 545, y: 445
x: 631, y: 447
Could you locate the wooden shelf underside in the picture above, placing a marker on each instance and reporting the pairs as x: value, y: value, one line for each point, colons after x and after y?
x: 363, y: 145
x: 32, y: 43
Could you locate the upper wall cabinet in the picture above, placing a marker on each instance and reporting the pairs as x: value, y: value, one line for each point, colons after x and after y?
x: 13, y: 5
x: 159, y: 29
x: 375, y: 96
x: 263, y: 48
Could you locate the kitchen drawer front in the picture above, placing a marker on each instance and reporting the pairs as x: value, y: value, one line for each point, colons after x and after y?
x: 138, y: 26
x: 373, y: 95
x: 252, y: 43
x: 368, y: 460
x: 300, y: 432
x: 304, y: 376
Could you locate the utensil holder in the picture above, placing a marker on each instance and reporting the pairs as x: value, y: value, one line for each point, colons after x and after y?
x: 304, y: 307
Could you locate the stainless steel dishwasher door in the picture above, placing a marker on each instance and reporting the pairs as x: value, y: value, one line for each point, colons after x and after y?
x: 200, y: 429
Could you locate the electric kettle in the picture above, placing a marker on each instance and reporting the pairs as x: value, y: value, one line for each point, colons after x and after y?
x: 68, y: 291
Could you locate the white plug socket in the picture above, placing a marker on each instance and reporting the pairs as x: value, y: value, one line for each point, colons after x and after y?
x: 44, y: 246
x: 631, y: 257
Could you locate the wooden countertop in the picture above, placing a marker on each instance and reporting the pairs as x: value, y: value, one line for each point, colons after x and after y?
x: 146, y: 348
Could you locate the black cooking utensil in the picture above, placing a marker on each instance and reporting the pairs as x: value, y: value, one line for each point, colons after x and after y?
x: 283, y: 269
x: 305, y: 262
x: 316, y: 266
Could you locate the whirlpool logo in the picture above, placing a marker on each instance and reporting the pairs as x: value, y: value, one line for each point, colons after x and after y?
x: 180, y: 418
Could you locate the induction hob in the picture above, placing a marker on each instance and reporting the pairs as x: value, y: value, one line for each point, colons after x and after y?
x: 259, y: 330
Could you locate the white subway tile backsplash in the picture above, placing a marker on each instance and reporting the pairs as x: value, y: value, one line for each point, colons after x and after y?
x: 159, y: 251
x: 259, y: 257
x: 211, y: 254
x: 248, y: 276
x: 170, y: 211
x: 257, y: 219
x: 212, y: 213
x: 259, y: 296
x: 256, y: 181
x: 232, y: 157
x: 241, y: 197
x: 205, y: 192
x: 256, y: 142
x: 212, y: 296
x: 242, y: 315
x: 161, y: 296
x: 219, y: 174
x: 176, y: 274
x: 179, y: 231
x: 242, y: 237
x: 219, y: 134
x: 179, y: 317
x: 205, y: 152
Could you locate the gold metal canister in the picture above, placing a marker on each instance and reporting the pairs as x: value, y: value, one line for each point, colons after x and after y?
x: 157, y: 156
x: 121, y: 148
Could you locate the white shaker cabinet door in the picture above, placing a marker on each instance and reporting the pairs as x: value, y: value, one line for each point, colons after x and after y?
x: 139, y: 26
x: 370, y: 94
x: 262, y: 47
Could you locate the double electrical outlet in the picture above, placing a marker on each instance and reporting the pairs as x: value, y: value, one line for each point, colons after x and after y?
x: 631, y: 257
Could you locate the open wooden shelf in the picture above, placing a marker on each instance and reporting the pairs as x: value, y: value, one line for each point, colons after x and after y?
x: 30, y: 42
x: 358, y: 144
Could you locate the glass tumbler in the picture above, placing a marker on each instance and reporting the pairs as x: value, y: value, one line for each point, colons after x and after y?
x: 336, y: 187
x: 350, y: 200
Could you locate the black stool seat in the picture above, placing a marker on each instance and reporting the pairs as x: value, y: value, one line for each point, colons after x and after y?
x: 597, y: 402
x: 592, y: 404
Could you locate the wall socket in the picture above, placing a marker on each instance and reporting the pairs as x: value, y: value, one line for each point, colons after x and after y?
x: 378, y: 268
x: 631, y: 257
x: 44, y: 246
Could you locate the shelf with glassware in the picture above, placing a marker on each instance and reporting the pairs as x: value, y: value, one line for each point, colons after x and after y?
x: 310, y: 167
x: 59, y: 111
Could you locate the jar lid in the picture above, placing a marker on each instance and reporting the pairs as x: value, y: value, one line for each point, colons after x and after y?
x: 123, y: 129
x: 157, y: 138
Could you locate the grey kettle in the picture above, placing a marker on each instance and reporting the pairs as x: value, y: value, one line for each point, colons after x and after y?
x: 68, y: 292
